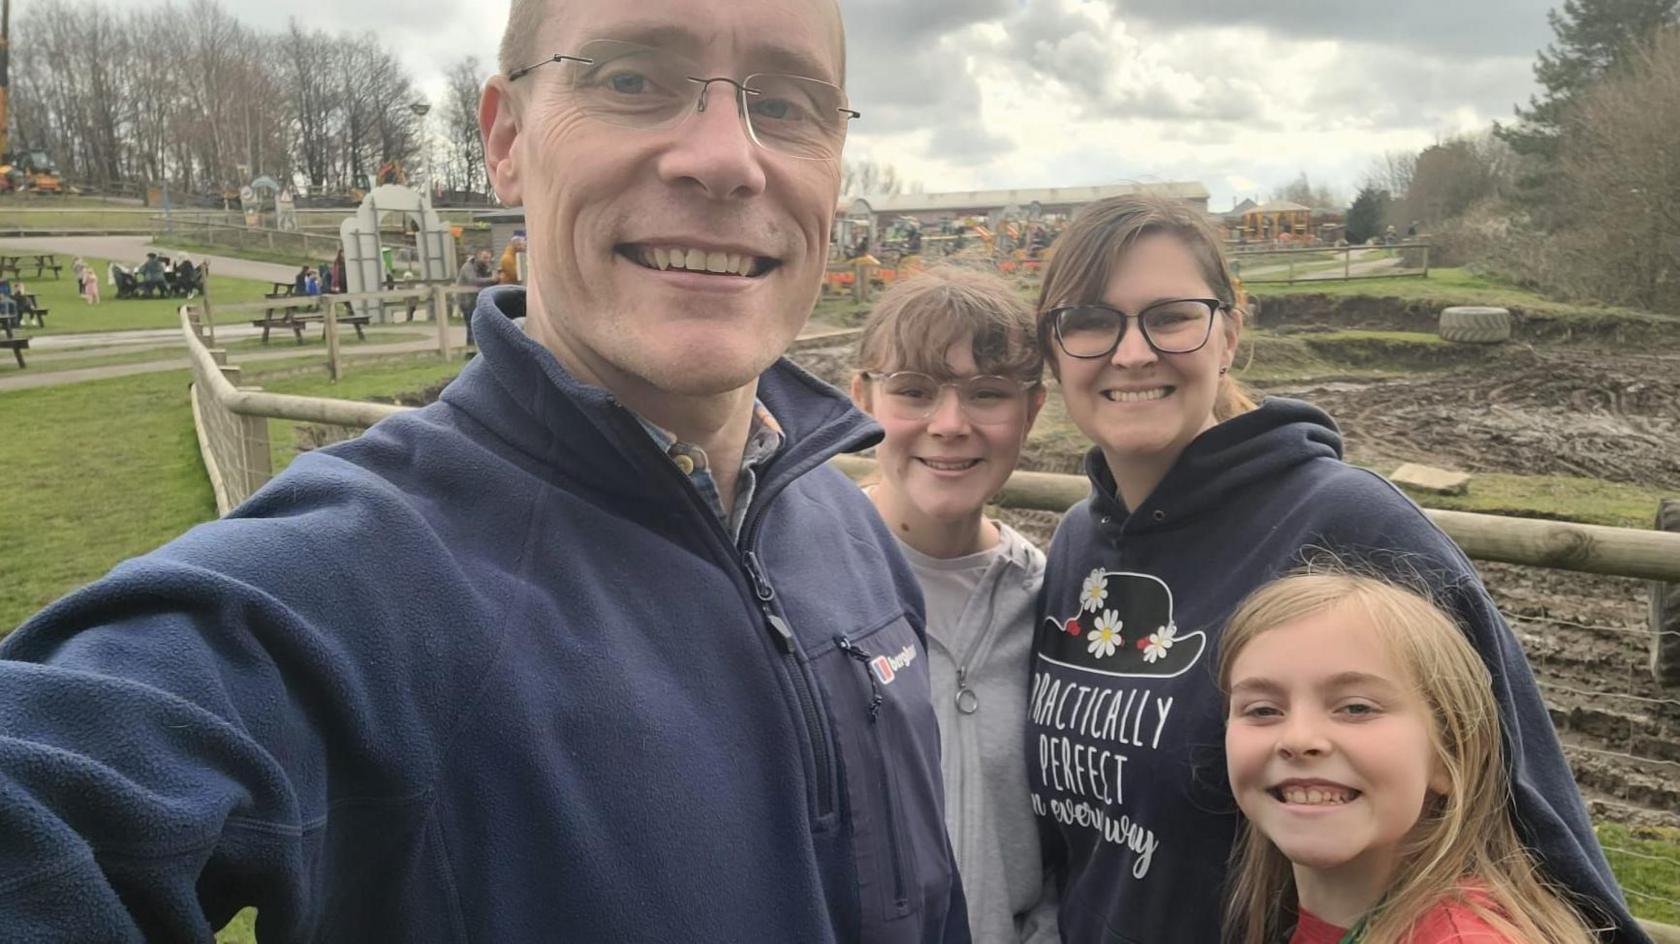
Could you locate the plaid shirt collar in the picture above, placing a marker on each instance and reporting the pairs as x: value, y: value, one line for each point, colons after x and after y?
x: 764, y: 440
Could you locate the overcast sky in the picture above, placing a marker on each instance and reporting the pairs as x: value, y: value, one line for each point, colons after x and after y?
x: 1241, y: 95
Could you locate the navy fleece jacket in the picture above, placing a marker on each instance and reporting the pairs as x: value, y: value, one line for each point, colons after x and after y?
x: 491, y: 672
x: 1126, y: 745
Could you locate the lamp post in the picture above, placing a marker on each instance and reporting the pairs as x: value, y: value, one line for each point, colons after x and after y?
x: 421, y: 108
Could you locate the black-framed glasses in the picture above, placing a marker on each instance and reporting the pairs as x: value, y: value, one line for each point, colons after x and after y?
x: 1171, y: 326
x: 636, y: 86
x: 987, y: 399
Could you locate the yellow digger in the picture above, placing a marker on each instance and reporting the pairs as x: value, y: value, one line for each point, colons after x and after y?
x: 23, y: 169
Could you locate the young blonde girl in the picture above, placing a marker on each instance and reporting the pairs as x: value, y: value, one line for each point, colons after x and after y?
x: 1325, y: 673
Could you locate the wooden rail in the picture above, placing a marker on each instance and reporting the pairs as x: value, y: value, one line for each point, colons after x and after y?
x: 1559, y: 545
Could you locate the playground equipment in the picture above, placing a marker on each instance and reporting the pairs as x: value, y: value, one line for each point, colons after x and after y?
x: 366, y: 269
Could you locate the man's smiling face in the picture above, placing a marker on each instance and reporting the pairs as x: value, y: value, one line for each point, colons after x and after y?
x: 610, y: 208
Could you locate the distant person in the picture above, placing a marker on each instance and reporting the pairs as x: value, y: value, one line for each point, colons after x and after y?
x: 1412, y: 231
x: 1388, y: 235
x: 89, y: 285
x: 323, y: 273
x: 339, y: 282
x: 152, y: 280
x: 508, y: 273
x: 312, y: 284
x: 77, y: 267
x: 300, y: 282
x: 478, y: 273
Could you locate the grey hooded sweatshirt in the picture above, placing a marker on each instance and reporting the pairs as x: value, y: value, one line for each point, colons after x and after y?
x: 979, y: 638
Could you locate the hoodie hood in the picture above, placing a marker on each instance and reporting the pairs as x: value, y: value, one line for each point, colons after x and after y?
x: 1240, y: 452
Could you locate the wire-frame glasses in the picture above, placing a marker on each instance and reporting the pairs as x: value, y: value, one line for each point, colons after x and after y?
x: 1172, y: 326
x: 649, y: 88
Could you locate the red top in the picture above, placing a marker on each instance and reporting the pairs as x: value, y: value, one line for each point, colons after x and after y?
x: 1450, y: 922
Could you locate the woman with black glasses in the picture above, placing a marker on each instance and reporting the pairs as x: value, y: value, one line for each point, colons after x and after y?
x: 1199, y: 496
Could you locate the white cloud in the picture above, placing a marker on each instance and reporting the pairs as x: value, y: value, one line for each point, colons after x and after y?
x: 1014, y: 93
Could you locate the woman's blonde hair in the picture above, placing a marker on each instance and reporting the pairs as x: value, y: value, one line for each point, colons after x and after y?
x: 915, y: 322
x: 1465, y: 838
x: 1085, y: 255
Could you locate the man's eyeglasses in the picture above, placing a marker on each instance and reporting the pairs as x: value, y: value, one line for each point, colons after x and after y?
x: 987, y: 400
x: 644, y: 87
x: 1173, y: 326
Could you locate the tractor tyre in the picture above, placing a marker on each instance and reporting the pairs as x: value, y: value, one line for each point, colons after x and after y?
x: 1665, y: 608
x: 1475, y: 324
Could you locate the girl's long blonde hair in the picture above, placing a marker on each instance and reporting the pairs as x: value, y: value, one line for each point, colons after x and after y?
x: 1465, y: 838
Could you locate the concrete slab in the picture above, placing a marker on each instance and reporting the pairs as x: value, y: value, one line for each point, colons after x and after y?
x: 1430, y: 479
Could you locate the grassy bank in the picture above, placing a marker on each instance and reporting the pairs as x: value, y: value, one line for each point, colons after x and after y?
x: 105, y: 470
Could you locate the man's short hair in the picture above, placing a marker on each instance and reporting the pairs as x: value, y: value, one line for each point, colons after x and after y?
x: 525, y: 19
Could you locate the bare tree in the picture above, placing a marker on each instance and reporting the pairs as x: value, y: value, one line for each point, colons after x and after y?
x: 869, y: 179
x: 1620, y: 181
x: 1300, y: 190
x: 465, y: 146
x: 191, y: 97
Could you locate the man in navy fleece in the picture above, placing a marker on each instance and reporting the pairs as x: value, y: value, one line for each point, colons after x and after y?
x: 591, y: 649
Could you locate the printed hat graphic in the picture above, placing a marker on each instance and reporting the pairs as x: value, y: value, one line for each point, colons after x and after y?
x: 1123, y: 627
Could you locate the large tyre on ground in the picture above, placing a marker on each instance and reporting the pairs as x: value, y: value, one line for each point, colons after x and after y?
x: 1665, y: 608
x: 1475, y: 324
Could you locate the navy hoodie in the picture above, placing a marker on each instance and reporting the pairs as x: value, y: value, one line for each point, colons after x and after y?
x: 1126, y: 747
x: 491, y: 672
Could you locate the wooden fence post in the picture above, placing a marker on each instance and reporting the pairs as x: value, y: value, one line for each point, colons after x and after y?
x: 204, y: 310
x: 329, y: 321
x: 256, y: 461
x: 440, y: 313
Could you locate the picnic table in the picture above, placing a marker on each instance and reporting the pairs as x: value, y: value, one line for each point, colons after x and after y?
x: 41, y: 262
x: 295, y: 320
x: 28, y: 307
x: 9, y: 318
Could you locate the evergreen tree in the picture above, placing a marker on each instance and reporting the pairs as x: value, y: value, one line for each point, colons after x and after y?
x: 1365, y: 217
x: 1593, y: 38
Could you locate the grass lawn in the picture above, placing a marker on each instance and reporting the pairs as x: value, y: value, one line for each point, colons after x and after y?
x: 63, y: 211
x: 1459, y: 286
x: 70, y: 315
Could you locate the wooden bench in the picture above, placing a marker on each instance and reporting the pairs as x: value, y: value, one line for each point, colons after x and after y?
x: 295, y: 323
x: 27, y: 308
x: 17, y: 345
x: 43, y: 262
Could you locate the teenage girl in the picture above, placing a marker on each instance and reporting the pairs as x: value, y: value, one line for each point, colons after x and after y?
x: 1362, y: 743
x: 950, y: 367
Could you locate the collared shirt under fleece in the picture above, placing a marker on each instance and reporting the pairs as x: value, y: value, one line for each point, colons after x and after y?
x: 492, y: 671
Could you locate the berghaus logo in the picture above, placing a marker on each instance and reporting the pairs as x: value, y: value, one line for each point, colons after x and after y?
x: 886, y: 668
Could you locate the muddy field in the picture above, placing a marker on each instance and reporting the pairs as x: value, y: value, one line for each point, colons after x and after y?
x: 1534, y: 411
x: 1599, y: 412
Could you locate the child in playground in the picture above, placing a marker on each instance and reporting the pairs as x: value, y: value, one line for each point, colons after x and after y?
x: 1363, y: 747
x: 89, y: 278
x: 945, y: 455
